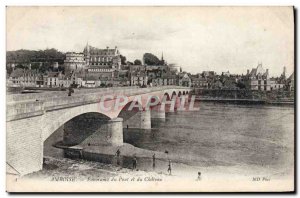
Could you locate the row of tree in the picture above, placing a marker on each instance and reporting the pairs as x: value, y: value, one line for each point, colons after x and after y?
x: 29, y: 56
x: 53, y: 55
x: 149, y: 59
x: 42, y: 60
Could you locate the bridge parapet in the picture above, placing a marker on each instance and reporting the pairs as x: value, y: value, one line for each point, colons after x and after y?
x: 36, y: 104
x: 58, y: 94
x: 24, y: 109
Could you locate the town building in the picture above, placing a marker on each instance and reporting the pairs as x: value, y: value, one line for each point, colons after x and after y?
x: 103, y: 72
x: 184, y: 80
x: 226, y: 73
x: 102, y: 57
x: 174, y: 68
x: 138, y: 78
x: 164, y: 80
x: 277, y: 83
x: 258, y: 79
x: 209, y: 74
x: 291, y: 83
x: 24, y: 78
x: 74, y: 61
x: 53, y: 79
x: 198, y: 81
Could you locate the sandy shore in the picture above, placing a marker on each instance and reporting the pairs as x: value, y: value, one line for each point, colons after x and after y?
x: 83, y: 170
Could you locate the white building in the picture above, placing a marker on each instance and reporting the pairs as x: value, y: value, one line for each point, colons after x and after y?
x: 74, y: 61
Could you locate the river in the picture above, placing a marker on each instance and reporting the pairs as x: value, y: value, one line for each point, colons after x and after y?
x: 257, y: 138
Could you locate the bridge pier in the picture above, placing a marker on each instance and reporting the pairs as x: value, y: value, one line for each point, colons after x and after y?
x: 87, y: 131
x: 181, y: 102
x: 145, y: 119
x: 177, y: 103
x: 140, y: 120
x: 158, y: 113
x: 115, y: 129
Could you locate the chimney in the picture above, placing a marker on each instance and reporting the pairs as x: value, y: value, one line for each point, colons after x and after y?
x: 116, y: 47
x: 247, y: 71
x: 107, y: 47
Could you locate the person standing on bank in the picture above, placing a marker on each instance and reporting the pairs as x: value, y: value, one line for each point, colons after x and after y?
x: 134, y: 163
x: 170, y: 168
x: 153, y: 158
x: 118, y: 156
x: 199, y: 176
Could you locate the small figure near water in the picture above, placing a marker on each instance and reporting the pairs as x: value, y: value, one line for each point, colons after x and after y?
x: 71, y: 90
x: 170, y: 168
x: 134, y: 163
x: 153, y: 158
x: 199, y: 176
x: 118, y: 156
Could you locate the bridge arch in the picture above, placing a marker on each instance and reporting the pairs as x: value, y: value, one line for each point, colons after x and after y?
x: 55, y: 119
x: 81, y: 127
x: 125, y: 110
x: 137, y: 117
x: 179, y: 94
x: 174, y: 94
x: 167, y: 95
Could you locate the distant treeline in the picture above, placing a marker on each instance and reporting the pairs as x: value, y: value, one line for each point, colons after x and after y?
x: 244, y: 94
x: 41, y: 60
x: 29, y: 56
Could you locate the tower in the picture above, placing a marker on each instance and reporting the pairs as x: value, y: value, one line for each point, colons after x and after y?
x: 284, y: 72
x: 162, y: 61
x: 87, y: 54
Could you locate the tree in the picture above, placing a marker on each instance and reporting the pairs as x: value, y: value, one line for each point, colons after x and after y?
x: 129, y: 63
x: 9, y: 70
x: 27, y: 56
x: 35, y: 66
x: 21, y: 66
x: 137, y: 62
x: 241, y: 85
x: 123, y: 59
x: 151, y: 59
x: 43, y: 69
x: 61, y: 69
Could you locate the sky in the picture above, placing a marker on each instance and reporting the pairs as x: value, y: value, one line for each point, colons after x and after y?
x: 196, y: 38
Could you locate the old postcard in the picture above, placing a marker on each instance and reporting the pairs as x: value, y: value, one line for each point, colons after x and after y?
x: 150, y: 99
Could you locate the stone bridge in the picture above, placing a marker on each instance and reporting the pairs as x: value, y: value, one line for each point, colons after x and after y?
x: 32, y: 118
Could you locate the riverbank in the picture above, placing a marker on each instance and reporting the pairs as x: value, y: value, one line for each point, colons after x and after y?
x: 106, y: 154
x: 244, y: 96
x: 81, y: 170
x: 101, y: 161
x: 246, y: 101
